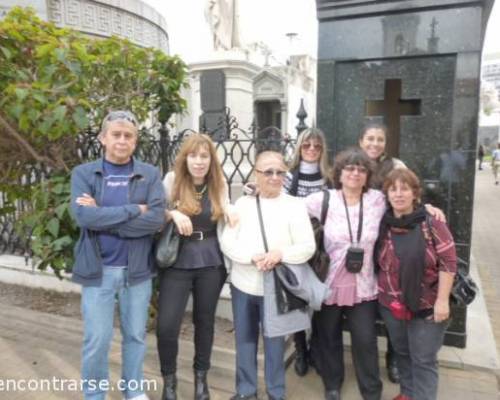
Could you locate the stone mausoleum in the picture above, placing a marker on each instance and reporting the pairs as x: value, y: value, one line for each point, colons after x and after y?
x: 415, y: 65
x: 130, y: 19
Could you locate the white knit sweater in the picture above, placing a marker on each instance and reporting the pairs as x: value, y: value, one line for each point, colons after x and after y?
x: 288, y: 229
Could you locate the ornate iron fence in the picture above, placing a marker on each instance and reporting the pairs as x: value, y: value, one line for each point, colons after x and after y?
x: 236, y: 149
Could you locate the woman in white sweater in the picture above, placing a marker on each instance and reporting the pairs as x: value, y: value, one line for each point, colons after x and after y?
x: 290, y: 239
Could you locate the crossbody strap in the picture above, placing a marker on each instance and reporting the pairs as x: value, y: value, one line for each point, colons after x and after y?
x: 324, y: 206
x: 261, y: 222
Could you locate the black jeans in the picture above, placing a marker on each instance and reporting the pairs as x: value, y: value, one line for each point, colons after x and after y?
x: 361, y: 322
x: 175, y: 286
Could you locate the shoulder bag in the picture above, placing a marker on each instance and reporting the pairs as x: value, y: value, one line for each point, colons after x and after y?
x: 167, y: 246
x: 320, y: 261
x: 464, y: 289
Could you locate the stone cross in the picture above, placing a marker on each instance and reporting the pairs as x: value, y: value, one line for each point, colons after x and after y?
x: 392, y: 108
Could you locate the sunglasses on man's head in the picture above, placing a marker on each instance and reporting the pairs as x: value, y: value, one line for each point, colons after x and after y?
x: 269, y: 173
x: 121, y: 115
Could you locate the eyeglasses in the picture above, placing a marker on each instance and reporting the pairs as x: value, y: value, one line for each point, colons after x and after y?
x: 313, y: 146
x: 269, y: 173
x: 359, y: 168
x: 121, y: 115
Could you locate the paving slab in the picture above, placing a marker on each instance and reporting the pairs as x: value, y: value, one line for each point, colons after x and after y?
x: 36, y: 345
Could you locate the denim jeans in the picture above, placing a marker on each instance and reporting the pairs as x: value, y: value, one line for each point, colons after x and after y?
x: 248, y: 311
x: 416, y: 343
x: 98, y: 306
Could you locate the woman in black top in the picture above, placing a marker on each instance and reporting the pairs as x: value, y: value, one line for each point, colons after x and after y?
x: 198, y: 204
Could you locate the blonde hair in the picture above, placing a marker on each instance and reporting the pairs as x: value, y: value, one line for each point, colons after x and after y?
x: 184, y: 192
x: 306, y: 135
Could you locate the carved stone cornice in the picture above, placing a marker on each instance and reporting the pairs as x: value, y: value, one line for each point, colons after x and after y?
x: 130, y: 19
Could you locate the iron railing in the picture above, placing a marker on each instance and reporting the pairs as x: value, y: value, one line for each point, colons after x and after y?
x: 236, y: 149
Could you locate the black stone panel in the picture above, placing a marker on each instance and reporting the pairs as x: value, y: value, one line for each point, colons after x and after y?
x: 437, y: 31
x: 213, y: 90
x: 325, y: 110
x: 428, y: 79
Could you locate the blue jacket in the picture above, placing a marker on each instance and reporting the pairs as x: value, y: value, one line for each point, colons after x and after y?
x: 125, y: 221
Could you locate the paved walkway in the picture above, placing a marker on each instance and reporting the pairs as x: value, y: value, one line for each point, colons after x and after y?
x: 38, y: 346
x: 486, y: 242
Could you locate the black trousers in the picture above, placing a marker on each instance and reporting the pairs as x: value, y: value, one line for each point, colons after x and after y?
x: 175, y: 286
x: 361, y: 323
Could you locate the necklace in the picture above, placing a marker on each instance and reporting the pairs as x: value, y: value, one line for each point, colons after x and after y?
x: 199, y: 195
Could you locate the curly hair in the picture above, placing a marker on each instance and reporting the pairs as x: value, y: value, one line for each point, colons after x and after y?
x: 184, y: 192
x: 352, y: 156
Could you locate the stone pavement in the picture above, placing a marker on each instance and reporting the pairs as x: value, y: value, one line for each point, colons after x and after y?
x: 38, y: 346
x: 486, y: 242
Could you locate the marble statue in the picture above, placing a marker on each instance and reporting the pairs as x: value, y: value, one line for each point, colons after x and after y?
x: 221, y: 16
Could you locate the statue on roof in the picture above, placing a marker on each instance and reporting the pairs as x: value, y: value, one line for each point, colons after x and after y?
x: 222, y: 18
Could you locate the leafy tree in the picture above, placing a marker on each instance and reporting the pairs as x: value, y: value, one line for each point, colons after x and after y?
x: 54, y: 83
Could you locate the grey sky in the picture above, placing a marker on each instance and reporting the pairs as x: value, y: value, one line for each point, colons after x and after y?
x: 267, y: 21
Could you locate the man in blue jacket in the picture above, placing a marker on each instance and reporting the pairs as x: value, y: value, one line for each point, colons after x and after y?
x: 119, y: 203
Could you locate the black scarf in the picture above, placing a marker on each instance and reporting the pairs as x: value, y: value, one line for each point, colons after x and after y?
x: 409, y: 245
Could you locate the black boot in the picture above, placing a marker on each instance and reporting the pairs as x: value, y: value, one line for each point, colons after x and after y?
x: 332, y: 395
x: 301, y: 365
x: 200, y: 386
x: 169, y: 387
x: 391, y: 364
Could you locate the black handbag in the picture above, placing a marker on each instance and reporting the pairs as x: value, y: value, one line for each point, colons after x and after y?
x: 286, y: 301
x: 464, y: 289
x: 167, y: 246
x: 320, y: 261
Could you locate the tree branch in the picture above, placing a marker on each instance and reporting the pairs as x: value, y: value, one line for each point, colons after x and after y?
x: 23, y: 142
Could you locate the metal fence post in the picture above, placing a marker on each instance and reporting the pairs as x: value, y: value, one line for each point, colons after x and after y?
x: 164, y: 146
x: 301, y: 115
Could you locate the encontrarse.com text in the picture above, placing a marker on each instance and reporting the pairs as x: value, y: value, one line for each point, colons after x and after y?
x: 55, y: 384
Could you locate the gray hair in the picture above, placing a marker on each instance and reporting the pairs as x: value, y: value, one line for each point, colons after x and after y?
x: 120, y: 116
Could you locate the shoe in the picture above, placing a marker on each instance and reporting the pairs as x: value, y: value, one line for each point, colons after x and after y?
x: 242, y: 397
x: 401, y: 397
x: 301, y: 364
x: 200, y: 386
x: 140, y: 397
x: 496, y: 183
x: 392, y: 368
x: 332, y: 395
x: 169, y: 387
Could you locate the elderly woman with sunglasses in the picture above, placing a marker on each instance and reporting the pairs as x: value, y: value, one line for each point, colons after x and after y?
x: 308, y: 174
x: 290, y: 238
x: 350, y: 230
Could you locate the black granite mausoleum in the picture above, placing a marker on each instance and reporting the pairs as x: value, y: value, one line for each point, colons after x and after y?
x: 416, y: 65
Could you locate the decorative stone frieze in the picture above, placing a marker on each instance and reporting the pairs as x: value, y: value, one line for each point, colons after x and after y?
x: 131, y: 19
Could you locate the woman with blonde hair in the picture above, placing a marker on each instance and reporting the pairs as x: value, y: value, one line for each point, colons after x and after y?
x: 197, y: 204
x: 309, y: 168
x: 309, y: 173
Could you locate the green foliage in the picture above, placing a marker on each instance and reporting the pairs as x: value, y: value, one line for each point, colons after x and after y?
x: 53, y: 230
x: 54, y: 83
